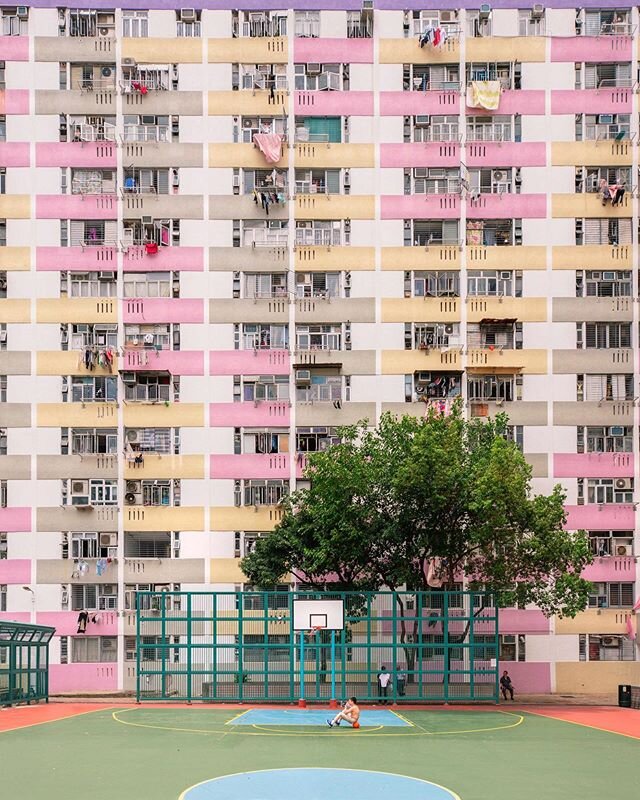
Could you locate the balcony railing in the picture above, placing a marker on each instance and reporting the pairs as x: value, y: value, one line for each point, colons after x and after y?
x: 422, y: 85
x: 96, y: 84
x: 452, y: 29
x: 304, y: 135
x: 145, y: 85
x: 265, y: 238
x: 319, y: 393
x: 143, y: 393
x: 93, y: 133
x: 308, y: 29
x: 86, y: 185
x: 489, y: 133
x: 258, y: 80
x: 146, y: 133
x: 309, y: 237
x: 439, y: 132
x: 360, y: 30
x: 601, y: 132
x: 259, y: 28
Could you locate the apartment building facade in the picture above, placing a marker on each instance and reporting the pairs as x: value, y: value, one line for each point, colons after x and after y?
x: 225, y: 232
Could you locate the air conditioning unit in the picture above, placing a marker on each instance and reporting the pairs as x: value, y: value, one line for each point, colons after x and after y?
x: 132, y: 436
x: 22, y: 11
x: 616, y: 430
x: 448, y: 16
x: 449, y: 329
x: 107, y: 276
x: 623, y: 483
x: 108, y: 540
x: 499, y: 175
x: 129, y: 62
x: 303, y: 376
x: 537, y: 11
x: 188, y: 15
x: 129, y: 377
x: 624, y: 550
x: 104, y: 32
x: 484, y: 12
x: 605, y: 119
x: 424, y: 377
x: 133, y: 486
x: 147, y: 219
x: 423, y: 119
x: 64, y: 595
x: 132, y: 499
x: 79, y: 493
x: 611, y: 641
x: 109, y: 589
x: 367, y: 5
x: 314, y: 69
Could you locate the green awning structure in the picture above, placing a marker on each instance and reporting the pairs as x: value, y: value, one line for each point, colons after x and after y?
x: 24, y: 662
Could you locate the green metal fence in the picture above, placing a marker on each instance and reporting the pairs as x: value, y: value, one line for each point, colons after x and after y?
x: 240, y: 646
x: 24, y: 663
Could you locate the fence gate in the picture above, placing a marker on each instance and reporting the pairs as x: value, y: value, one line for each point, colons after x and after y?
x: 241, y: 646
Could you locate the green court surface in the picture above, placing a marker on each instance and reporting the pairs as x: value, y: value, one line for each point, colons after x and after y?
x: 150, y: 753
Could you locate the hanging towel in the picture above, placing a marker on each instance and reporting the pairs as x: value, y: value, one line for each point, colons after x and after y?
x: 270, y: 145
x: 101, y: 565
x: 484, y: 94
x: 151, y: 248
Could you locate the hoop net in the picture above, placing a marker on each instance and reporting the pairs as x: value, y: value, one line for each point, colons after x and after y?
x: 316, y: 629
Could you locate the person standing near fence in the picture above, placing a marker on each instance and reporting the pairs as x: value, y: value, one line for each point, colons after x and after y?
x: 384, y: 679
x: 401, y: 683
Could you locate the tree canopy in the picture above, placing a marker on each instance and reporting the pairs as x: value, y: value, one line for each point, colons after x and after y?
x: 420, y: 503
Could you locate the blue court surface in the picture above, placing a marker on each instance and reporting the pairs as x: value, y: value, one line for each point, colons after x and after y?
x: 317, y: 784
x: 317, y: 717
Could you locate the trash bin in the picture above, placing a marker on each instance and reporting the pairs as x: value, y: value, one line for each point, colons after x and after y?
x: 624, y: 696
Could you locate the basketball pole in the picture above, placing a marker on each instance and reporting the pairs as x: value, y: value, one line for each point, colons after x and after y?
x: 333, y: 703
x: 302, y: 703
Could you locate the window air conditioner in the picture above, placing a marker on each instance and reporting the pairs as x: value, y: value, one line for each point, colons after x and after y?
x: 448, y: 16
x: 108, y: 539
x: 64, y: 595
x: 129, y: 62
x: 616, y: 430
x: 104, y: 32
x: 22, y: 11
x: 367, y: 5
x: 314, y: 69
x: 611, y: 641
x: 484, y: 12
x: 423, y: 119
x: 147, y: 219
x: 109, y: 589
x: 424, y: 377
x: 623, y: 483
x: 188, y: 15
x: 106, y: 276
x: 605, y: 119
x: 303, y: 376
x: 537, y: 11
x: 129, y: 377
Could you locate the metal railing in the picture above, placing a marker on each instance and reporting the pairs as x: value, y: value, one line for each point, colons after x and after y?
x: 143, y: 85
x: 92, y: 133
x: 146, y: 133
x: 311, y: 236
x: 258, y: 80
x: 319, y: 393
x: 258, y: 28
x: 304, y: 135
x: 265, y: 238
x: 438, y: 132
x: 96, y: 84
x: 422, y: 85
x: 486, y: 132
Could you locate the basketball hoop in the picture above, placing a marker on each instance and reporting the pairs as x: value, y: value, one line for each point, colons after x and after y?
x: 316, y: 629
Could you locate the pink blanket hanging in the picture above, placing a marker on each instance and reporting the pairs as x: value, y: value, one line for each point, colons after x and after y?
x: 270, y: 145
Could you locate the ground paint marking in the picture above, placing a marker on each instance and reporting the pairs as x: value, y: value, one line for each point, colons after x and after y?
x: 315, y: 717
x: 318, y: 783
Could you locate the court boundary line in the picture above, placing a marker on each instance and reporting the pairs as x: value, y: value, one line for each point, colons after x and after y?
x: 237, y: 716
x: 60, y: 719
x: 583, y: 725
x: 454, y: 795
x: 260, y: 731
x: 404, y: 719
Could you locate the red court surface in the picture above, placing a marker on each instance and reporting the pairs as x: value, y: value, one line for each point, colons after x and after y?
x: 25, y: 716
x: 625, y: 721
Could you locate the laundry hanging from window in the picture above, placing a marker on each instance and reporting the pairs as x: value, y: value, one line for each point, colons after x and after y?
x: 484, y: 94
x: 270, y: 145
x: 434, y: 36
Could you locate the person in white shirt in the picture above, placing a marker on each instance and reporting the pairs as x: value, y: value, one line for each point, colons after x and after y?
x: 384, y: 680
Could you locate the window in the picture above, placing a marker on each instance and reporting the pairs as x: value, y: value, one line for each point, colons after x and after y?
x: 530, y: 23
x: 188, y: 23
x: 431, y: 77
x: 491, y: 387
x: 605, y: 283
x: 318, y: 232
x: 94, y: 597
x: 256, y: 650
x: 321, y: 77
x: 154, y: 648
x: 320, y: 129
x: 94, y: 649
x: 431, y: 128
x: 313, y: 440
x: 427, y: 335
x: 94, y: 441
x: 249, y: 126
x: 259, y: 336
x: 493, y: 233
x: 598, y: 388
x: 3, y: 596
x: 603, y: 126
x: 276, y: 598
x: 431, y: 180
x: 490, y: 181
x: 317, y: 181
x: 491, y: 283
x: 307, y: 24
x: 478, y: 26
x: 606, y: 22
x: 138, y: 180
x: 103, y: 493
x: 495, y: 335
x: 147, y: 284
x: 3, y: 180
x: 611, y: 543
x: 147, y: 545
x: 432, y: 284
x: 149, y: 388
x: 265, y: 284
x: 320, y: 388
x: 3, y: 128
x: 262, y: 441
x: 601, y: 76
x: 603, y: 491
x: 512, y: 647
x: 15, y: 21
x: 611, y: 595
x: 91, y: 284
x: 319, y: 337
x: 93, y: 545
x: 164, y: 596
x: 89, y: 390
x: 602, y: 439
x: 260, y: 492
x: 359, y: 26
x: 318, y: 284
x: 148, y: 337
x: 3, y: 378
x: 261, y: 387
x: 603, y: 231
x: 4, y: 549
x: 605, y: 647
x: 504, y: 72
x: 3, y: 82
x: 421, y: 233
x: 135, y: 24
x: 490, y: 129
x: 149, y: 440
x: 604, y: 335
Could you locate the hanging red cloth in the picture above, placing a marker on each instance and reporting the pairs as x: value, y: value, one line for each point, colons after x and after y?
x: 151, y: 248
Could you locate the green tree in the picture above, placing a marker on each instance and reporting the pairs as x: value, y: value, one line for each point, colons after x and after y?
x: 418, y: 502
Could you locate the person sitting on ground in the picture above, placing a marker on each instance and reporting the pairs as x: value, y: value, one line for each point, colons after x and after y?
x: 506, y: 685
x: 350, y: 713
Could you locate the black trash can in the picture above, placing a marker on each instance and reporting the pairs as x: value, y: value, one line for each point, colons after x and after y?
x: 624, y: 696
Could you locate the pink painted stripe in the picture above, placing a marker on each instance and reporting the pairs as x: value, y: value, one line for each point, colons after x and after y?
x: 15, y: 519
x: 177, y: 362
x: 505, y: 206
x: 593, y: 465
x: 506, y: 154
x: 76, y: 154
x: 163, y: 309
x: 419, y: 154
x: 249, y: 362
x: 420, y: 206
x: 224, y: 415
x: 523, y: 620
x: 516, y: 101
x: 15, y: 570
x: 83, y: 677
x: 254, y: 465
x: 14, y: 48
x: 14, y: 101
x: 333, y: 51
x: 76, y: 206
x: 609, y: 569
x: 54, y: 259
x: 184, y: 259
x: 600, y: 517
x: 592, y: 48
x: 66, y: 622
x: 591, y: 101
x: 14, y: 154
x: 15, y: 616
x: 397, y: 104
x: 334, y: 103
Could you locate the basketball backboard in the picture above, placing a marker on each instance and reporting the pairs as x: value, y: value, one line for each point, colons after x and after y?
x: 309, y: 614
